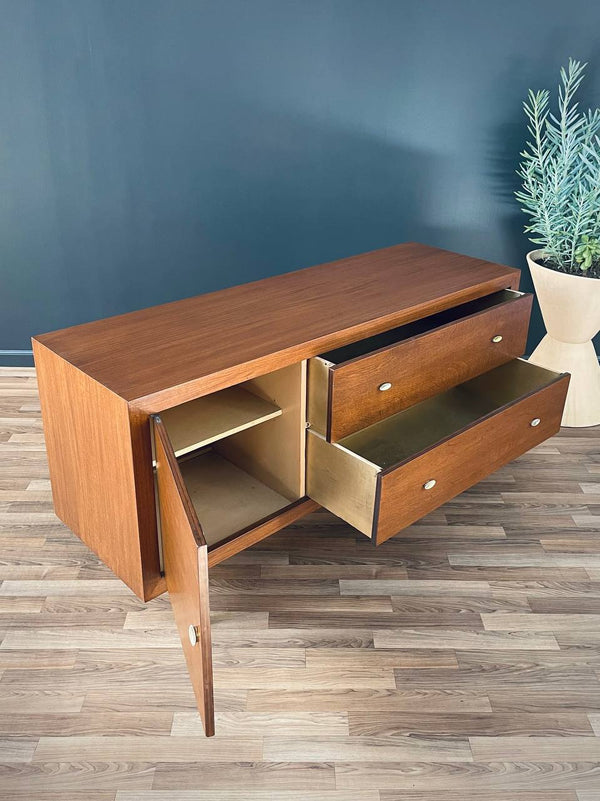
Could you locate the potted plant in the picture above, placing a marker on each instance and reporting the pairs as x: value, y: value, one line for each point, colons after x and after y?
x: 560, y: 193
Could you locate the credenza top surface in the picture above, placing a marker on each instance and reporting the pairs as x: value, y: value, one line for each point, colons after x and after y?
x: 157, y: 357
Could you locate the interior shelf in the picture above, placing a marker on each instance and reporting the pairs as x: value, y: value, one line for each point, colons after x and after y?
x: 226, y: 498
x: 205, y: 420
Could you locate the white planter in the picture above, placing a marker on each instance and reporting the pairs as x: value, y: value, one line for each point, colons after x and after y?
x: 570, y: 307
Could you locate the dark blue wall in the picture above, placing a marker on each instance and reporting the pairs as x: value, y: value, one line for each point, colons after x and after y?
x: 153, y: 149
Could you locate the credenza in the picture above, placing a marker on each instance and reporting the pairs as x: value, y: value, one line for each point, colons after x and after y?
x: 378, y: 387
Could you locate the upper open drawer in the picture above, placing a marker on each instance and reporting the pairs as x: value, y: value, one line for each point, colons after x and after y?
x: 369, y: 380
x: 384, y: 477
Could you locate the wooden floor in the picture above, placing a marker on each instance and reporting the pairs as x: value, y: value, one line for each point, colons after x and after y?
x: 458, y: 661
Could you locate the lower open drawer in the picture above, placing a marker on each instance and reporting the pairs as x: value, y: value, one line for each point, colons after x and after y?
x: 384, y: 477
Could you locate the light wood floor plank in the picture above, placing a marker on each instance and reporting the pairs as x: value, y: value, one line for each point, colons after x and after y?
x: 60, y: 587
x: 27, y: 781
x: 294, y: 637
x: 16, y: 749
x: 301, y: 678
x: 45, y: 724
x: 77, y: 748
x: 471, y: 777
x: 257, y: 795
x: 595, y: 722
x: 368, y: 749
x: 467, y: 640
x: 479, y: 795
x: 413, y: 587
x: 539, y: 622
x: 387, y: 724
x: 327, y: 659
x: 46, y: 701
x: 539, y: 749
x: 87, y: 795
x: 532, y: 698
x: 546, y: 589
x: 261, y: 724
x: 271, y: 776
x: 398, y: 700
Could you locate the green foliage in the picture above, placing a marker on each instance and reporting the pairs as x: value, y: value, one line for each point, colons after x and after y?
x: 560, y: 175
x: 587, y: 252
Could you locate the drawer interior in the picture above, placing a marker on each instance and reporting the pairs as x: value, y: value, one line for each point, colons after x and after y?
x: 241, y: 451
x: 413, y: 430
x: 418, y: 327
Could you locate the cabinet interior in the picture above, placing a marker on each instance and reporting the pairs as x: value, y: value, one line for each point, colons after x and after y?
x: 241, y: 451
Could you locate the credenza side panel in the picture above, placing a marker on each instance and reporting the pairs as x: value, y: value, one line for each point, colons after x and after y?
x: 90, y: 454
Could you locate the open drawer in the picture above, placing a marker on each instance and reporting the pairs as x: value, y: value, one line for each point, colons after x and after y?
x: 384, y: 477
x: 364, y: 382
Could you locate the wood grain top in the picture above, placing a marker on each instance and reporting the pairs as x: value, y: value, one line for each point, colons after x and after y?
x: 158, y: 357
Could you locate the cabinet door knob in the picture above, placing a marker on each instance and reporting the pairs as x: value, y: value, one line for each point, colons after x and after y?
x: 194, y: 634
x: 535, y: 422
x: 430, y: 484
x: 497, y: 338
x: 386, y: 385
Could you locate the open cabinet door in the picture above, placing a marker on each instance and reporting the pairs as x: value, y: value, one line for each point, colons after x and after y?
x: 186, y: 572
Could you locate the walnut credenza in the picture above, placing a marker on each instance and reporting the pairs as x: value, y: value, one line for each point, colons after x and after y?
x: 378, y: 387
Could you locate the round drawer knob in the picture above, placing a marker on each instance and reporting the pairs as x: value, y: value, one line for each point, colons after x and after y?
x: 497, y: 338
x: 430, y: 484
x: 194, y: 634
x: 535, y: 422
x: 385, y: 386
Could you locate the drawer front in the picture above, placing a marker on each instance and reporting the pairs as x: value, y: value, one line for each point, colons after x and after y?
x: 463, y: 460
x: 423, y: 366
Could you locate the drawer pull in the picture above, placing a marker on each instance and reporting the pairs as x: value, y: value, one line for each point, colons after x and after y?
x: 497, y: 338
x: 430, y: 484
x: 535, y: 422
x: 386, y: 385
x: 194, y: 634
